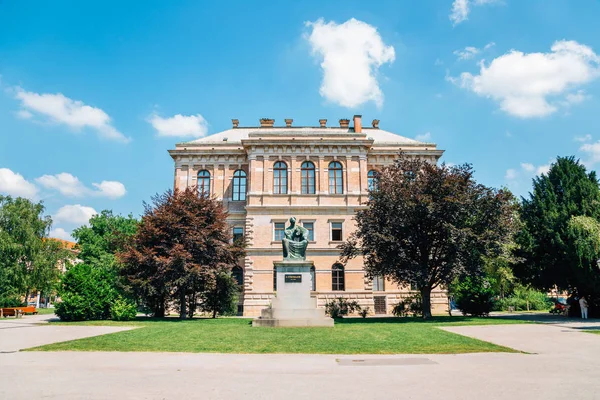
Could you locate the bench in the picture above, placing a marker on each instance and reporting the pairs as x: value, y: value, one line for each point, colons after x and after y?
x: 17, y: 311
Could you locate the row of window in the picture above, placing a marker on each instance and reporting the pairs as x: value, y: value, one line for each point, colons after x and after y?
x: 338, y: 278
x: 336, y: 233
x: 280, y: 180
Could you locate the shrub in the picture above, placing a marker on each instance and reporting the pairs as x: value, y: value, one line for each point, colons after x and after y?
x: 11, y: 301
x: 220, y: 295
x: 474, y: 296
x: 524, y: 299
x: 364, y: 312
x: 123, y: 310
x: 341, y: 307
x: 87, y: 293
x: 410, y: 305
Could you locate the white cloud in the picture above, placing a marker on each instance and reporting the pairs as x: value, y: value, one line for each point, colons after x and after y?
x: 470, y: 52
x: 424, y: 137
x: 461, y: 9
x: 70, y: 186
x: 528, y: 167
x: 110, y: 189
x: 24, y: 114
x: 351, y: 55
x: 583, y: 139
x: 592, y: 150
x: 60, y: 233
x: 467, y: 53
x: 63, y: 110
x: 74, y: 214
x: 459, y: 12
x: 511, y: 174
x: 14, y: 184
x: 180, y: 125
x: 65, y: 183
x: 523, y: 82
x: 576, y: 98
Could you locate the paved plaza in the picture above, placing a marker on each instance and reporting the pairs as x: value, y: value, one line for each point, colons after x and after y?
x: 559, y: 361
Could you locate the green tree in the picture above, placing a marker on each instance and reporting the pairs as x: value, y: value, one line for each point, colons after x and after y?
x: 182, y: 242
x: 219, y: 295
x: 89, y: 289
x: 558, y: 243
x: 427, y: 224
x: 28, y: 259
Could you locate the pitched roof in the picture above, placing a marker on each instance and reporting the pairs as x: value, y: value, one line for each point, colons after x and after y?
x: 236, y: 135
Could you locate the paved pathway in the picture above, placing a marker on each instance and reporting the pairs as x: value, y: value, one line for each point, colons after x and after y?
x: 566, y: 365
x: 31, y: 330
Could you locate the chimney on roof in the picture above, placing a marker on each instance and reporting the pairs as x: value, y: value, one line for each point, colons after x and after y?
x: 358, y: 123
x: 266, y: 122
x: 344, y: 123
x: 375, y: 123
x: 288, y: 122
x: 323, y: 123
x: 235, y: 122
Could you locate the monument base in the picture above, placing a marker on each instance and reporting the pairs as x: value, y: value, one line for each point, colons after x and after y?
x: 293, y: 306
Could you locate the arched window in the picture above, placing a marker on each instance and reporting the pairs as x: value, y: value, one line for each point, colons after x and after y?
x: 336, y: 182
x: 313, y: 277
x: 337, y: 277
x: 238, y: 274
x: 204, y: 183
x: 280, y: 178
x: 239, y: 186
x: 372, y: 177
x: 308, y: 177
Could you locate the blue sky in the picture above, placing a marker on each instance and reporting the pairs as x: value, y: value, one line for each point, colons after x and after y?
x: 90, y: 91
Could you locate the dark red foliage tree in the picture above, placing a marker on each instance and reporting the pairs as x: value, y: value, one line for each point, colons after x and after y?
x: 182, y: 243
x: 427, y: 224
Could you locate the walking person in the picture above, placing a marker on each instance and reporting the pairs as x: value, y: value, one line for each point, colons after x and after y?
x: 583, y: 304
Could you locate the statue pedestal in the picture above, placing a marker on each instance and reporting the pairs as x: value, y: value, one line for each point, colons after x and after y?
x: 293, y: 305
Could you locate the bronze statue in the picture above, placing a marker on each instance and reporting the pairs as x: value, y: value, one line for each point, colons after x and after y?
x: 295, y: 241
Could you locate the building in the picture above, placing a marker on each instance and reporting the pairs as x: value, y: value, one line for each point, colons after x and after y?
x: 320, y: 175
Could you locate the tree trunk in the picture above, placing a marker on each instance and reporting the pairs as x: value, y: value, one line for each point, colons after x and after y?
x: 182, y: 314
x: 426, y: 302
x: 214, y: 313
x: 159, y: 308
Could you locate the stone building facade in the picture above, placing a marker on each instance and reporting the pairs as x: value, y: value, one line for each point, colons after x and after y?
x: 320, y: 175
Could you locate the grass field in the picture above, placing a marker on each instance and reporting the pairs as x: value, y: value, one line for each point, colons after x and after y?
x: 594, y: 332
x: 235, y: 335
x: 45, y: 311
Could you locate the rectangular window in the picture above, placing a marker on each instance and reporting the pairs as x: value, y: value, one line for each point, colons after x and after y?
x: 238, y: 234
x: 278, y: 231
x: 310, y: 227
x: 336, y: 231
x: 378, y: 284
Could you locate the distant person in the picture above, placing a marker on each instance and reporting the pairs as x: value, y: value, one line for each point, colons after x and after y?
x: 583, y: 304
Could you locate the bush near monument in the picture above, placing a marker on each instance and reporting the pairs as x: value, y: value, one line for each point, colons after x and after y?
x: 340, y: 307
x: 427, y: 224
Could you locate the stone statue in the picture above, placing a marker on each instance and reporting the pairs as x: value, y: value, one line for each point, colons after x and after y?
x: 295, y: 241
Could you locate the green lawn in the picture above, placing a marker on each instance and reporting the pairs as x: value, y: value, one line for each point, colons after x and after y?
x: 595, y: 332
x: 45, y: 311
x: 235, y: 335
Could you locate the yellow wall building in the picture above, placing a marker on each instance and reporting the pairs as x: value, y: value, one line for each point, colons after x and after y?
x: 320, y: 175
